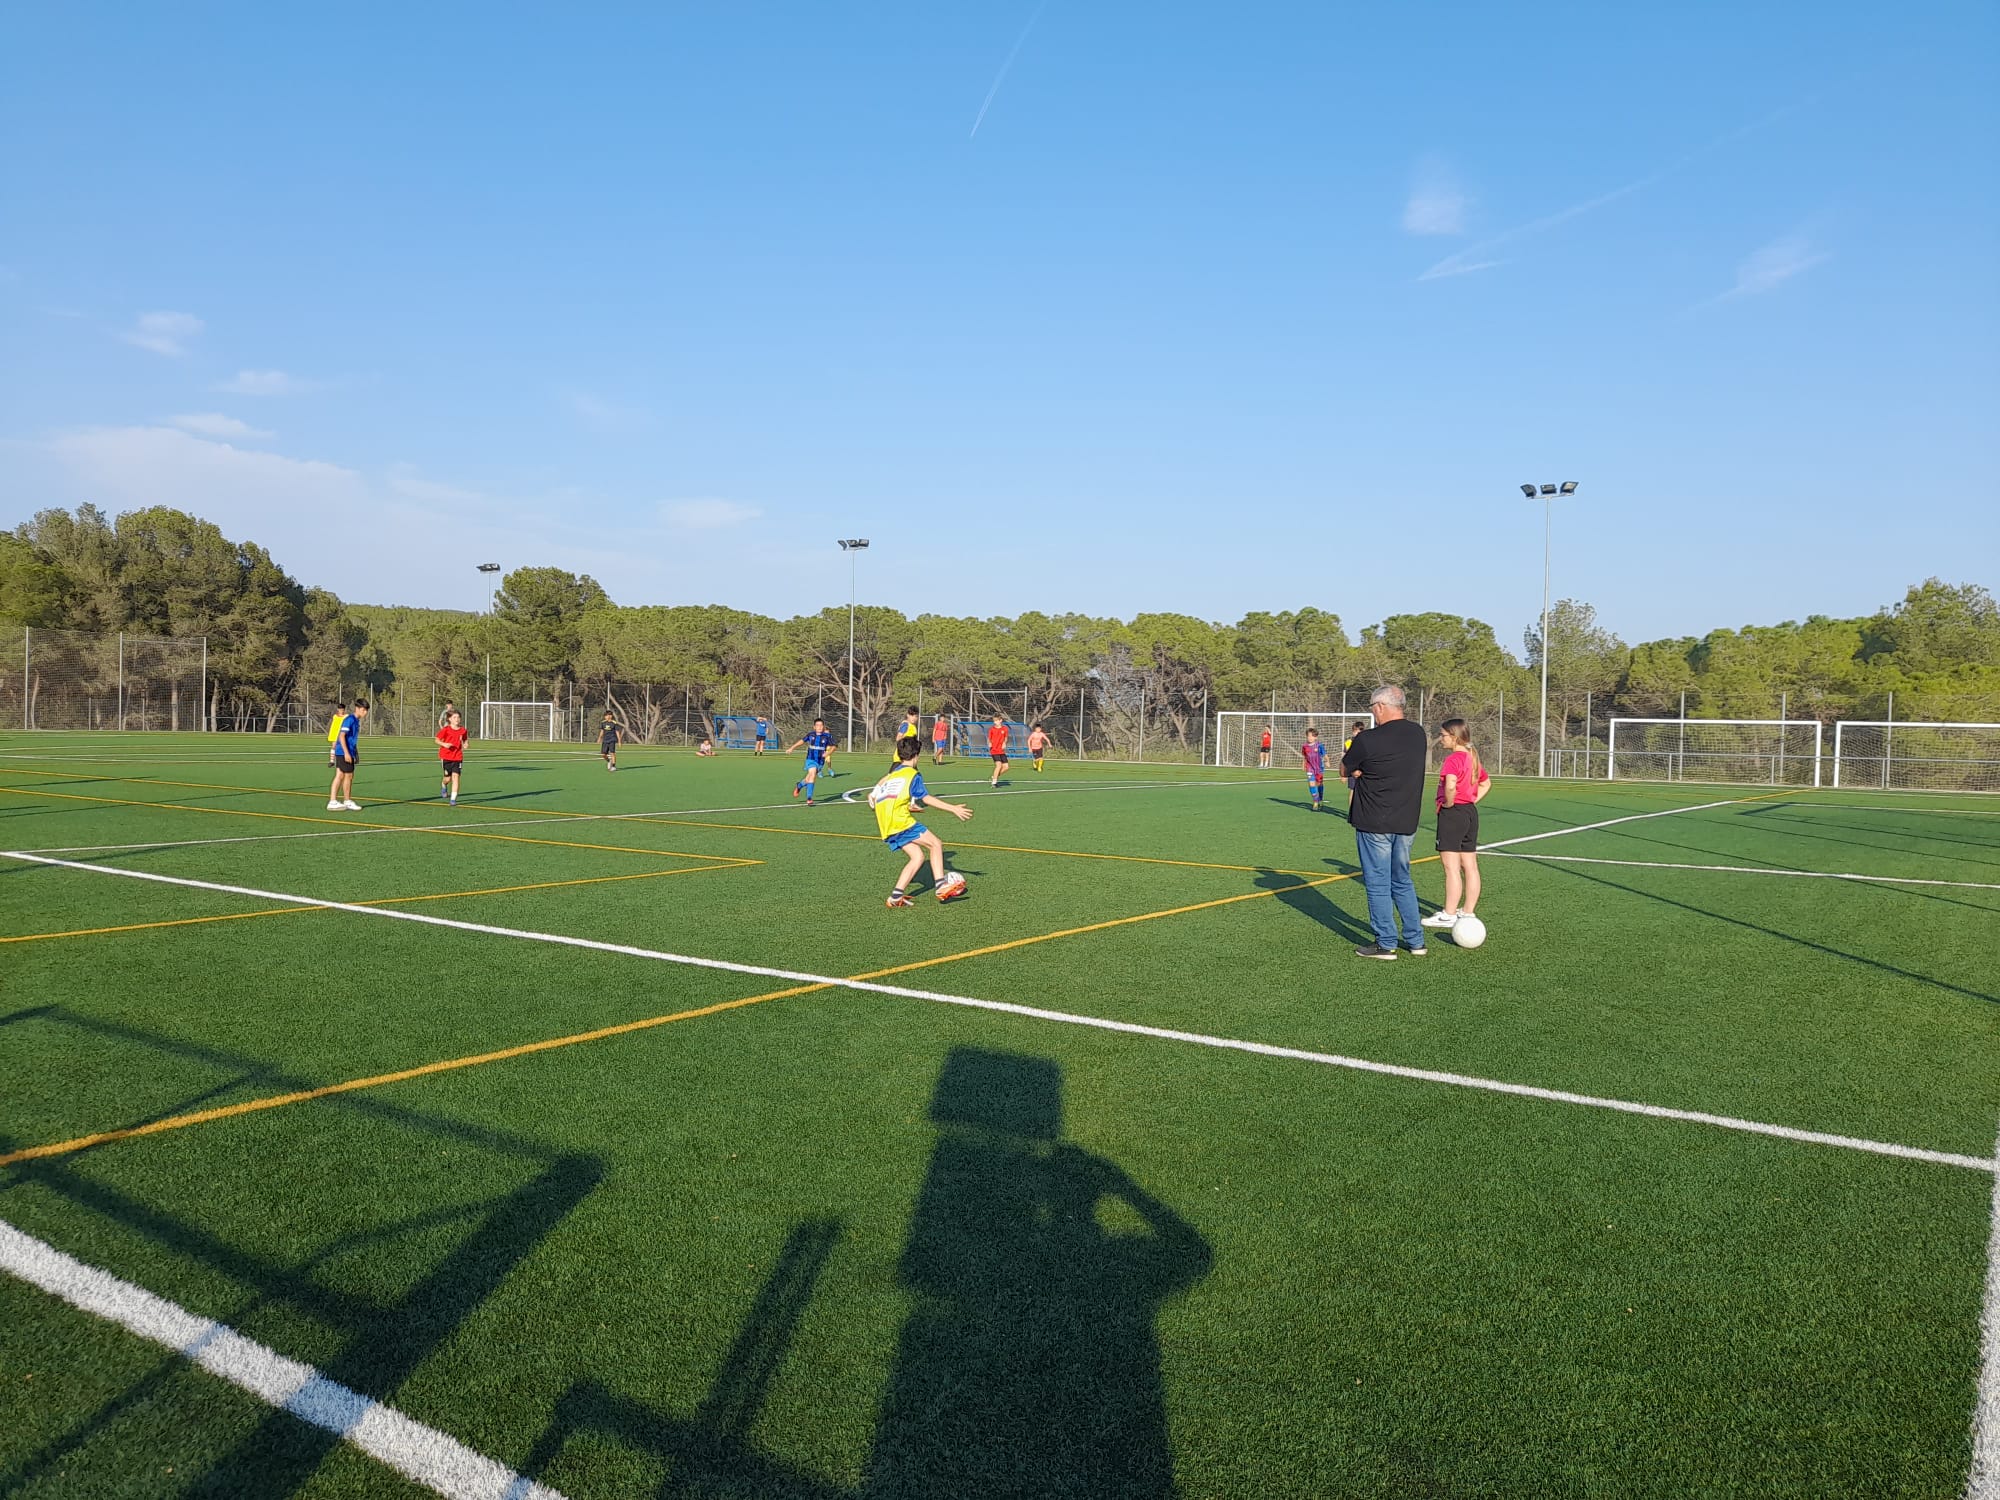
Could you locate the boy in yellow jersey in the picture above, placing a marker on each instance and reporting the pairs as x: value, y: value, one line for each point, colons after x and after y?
x: 895, y: 798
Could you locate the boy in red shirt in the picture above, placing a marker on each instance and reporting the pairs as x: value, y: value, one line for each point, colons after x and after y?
x: 451, y: 753
x: 996, y: 746
x: 940, y: 737
x: 1264, y: 749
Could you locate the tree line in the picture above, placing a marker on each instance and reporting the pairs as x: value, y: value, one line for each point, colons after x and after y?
x: 557, y: 635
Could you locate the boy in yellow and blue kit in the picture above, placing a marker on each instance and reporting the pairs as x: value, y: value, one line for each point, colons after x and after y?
x: 895, y: 799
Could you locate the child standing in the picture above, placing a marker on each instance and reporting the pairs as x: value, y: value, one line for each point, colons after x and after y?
x: 940, y: 737
x: 763, y: 734
x: 346, y: 755
x: 1313, y: 753
x: 1038, y: 744
x: 608, y: 736
x: 895, y: 798
x: 451, y: 754
x: 1264, y: 749
x: 1462, y: 782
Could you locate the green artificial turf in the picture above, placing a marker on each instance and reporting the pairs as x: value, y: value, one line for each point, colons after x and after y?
x: 851, y: 1244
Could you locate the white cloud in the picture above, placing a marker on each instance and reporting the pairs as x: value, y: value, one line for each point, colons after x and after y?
x: 264, y: 383
x: 405, y: 481
x: 707, y: 515
x: 1436, y: 204
x: 163, y: 332
x: 213, y: 424
x: 1775, y: 264
x: 600, y: 415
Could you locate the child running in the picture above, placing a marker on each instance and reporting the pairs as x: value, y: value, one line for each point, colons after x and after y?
x: 1313, y: 753
x: 608, y: 736
x: 895, y: 798
x: 1038, y: 744
x: 940, y: 738
x: 1462, y: 782
x: 819, y: 745
x: 451, y: 754
x: 996, y: 746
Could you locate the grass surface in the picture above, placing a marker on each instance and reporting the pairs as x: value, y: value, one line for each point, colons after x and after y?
x: 846, y: 1244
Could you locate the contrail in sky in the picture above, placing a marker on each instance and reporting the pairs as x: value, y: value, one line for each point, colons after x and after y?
x: 1001, y: 77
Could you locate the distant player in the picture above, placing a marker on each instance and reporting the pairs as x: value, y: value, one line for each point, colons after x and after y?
x: 908, y: 729
x: 1264, y: 749
x: 1313, y: 752
x: 610, y: 734
x: 346, y: 753
x: 450, y: 708
x: 1038, y: 744
x: 763, y: 734
x: 706, y: 747
x: 895, y: 799
x: 996, y: 746
x: 819, y: 745
x: 940, y: 739
x: 1462, y: 783
x: 1346, y: 745
x: 451, y: 754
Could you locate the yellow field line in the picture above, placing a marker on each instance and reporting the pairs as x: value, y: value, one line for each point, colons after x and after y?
x: 279, y: 911
x: 423, y: 1070
x: 957, y: 843
x: 457, y: 833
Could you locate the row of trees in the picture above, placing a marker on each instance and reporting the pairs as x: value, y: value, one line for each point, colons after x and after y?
x: 557, y: 635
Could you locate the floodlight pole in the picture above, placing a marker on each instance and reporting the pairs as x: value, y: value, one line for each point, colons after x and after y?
x: 851, y: 546
x: 1547, y: 494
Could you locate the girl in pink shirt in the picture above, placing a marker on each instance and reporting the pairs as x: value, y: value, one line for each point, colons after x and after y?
x: 1462, y: 782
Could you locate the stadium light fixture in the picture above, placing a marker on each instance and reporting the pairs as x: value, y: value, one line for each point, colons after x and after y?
x: 487, y: 569
x: 851, y: 546
x: 1545, y: 494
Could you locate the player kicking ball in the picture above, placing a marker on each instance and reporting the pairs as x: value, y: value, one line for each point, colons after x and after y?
x: 895, y: 798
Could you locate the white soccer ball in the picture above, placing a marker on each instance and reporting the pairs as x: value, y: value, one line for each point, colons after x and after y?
x: 1468, y: 932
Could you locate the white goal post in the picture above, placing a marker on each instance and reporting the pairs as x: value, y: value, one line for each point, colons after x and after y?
x: 1917, y: 756
x: 1758, y: 752
x: 517, y: 721
x: 1239, y: 736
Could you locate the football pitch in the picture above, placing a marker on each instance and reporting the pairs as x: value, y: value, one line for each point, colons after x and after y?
x: 605, y: 1135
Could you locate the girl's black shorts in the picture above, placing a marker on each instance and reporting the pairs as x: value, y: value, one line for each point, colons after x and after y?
x: 1458, y: 829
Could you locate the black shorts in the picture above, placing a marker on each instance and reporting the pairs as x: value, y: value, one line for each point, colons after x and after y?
x: 452, y: 767
x: 343, y: 765
x: 607, y: 747
x: 1458, y: 828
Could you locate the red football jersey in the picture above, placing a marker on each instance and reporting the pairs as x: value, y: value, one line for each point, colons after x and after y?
x: 451, y: 743
x: 996, y: 739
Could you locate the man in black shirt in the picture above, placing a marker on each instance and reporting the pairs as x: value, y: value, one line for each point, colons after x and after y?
x: 1387, y: 764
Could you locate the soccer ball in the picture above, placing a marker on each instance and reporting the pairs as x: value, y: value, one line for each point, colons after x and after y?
x: 1468, y: 932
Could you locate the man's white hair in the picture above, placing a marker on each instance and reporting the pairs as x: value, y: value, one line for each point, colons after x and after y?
x: 1390, y: 694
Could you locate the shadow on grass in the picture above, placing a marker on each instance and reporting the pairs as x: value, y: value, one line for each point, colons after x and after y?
x: 1312, y: 901
x: 382, y: 1341
x: 1028, y: 1365
x: 1789, y: 937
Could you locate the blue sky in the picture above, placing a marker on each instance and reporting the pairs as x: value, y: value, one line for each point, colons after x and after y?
x: 1220, y: 307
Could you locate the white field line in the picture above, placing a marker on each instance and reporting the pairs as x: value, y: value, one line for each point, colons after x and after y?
x: 1653, y: 864
x: 433, y: 1459
x: 1129, y: 1028
x: 559, y: 819
x: 1956, y: 812
x: 1665, y: 812
x: 1983, y: 1480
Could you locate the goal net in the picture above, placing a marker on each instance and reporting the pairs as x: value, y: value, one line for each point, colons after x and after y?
x: 1923, y: 757
x: 1763, y: 752
x: 969, y: 736
x: 517, y: 721
x: 1239, y: 737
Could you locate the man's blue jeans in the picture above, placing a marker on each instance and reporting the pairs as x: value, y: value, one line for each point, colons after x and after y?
x: 1385, y: 874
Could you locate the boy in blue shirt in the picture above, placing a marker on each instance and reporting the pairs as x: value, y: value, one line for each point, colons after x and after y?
x: 819, y: 745
x: 895, y: 798
x: 346, y: 752
x: 763, y: 733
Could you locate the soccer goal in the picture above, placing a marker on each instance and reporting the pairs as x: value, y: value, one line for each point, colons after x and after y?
x: 968, y: 736
x: 1761, y: 752
x: 1240, y: 736
x: 517, y: 721
x: 1916, y: 756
